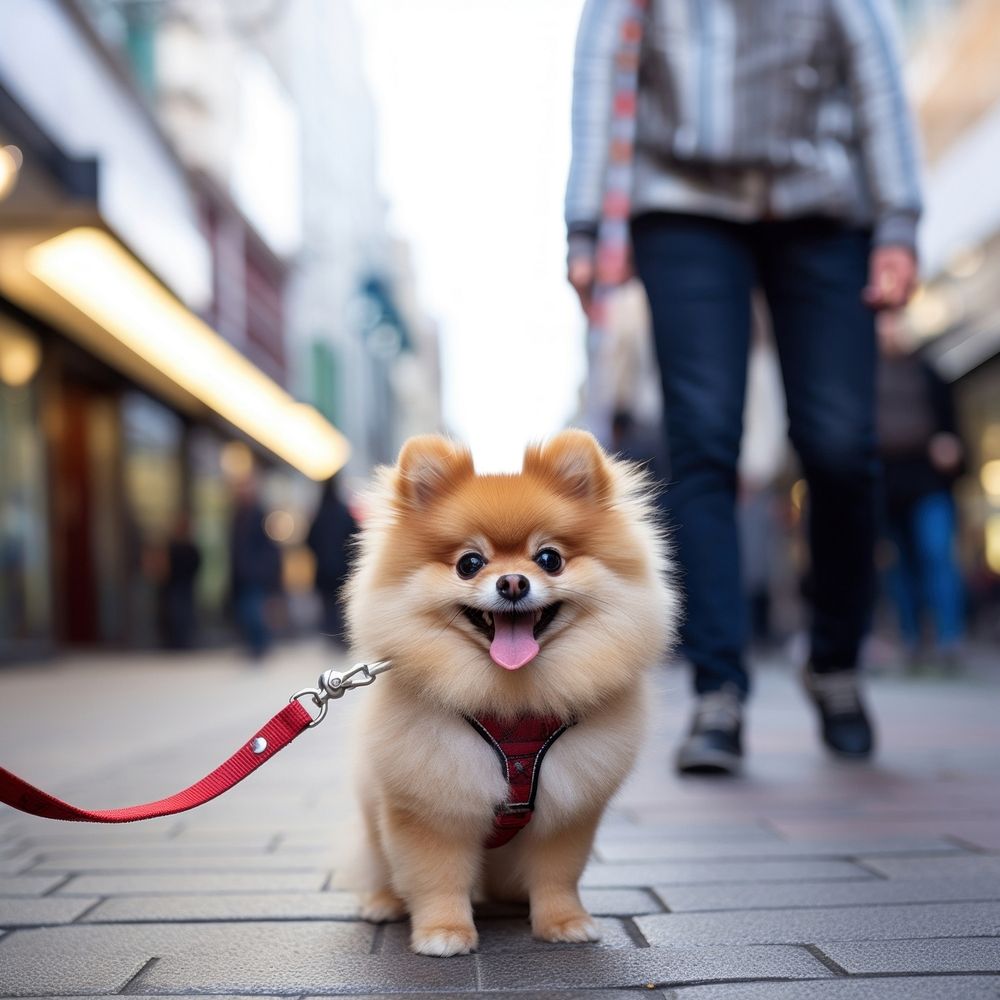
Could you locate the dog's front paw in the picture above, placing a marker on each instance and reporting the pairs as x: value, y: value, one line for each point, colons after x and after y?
x: 444, y: 940
x: 574, y: 928
x: 382, y: 906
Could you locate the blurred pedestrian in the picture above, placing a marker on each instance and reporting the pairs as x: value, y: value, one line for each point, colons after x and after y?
x: 773, y: 148
x: 183, y: 560
x: 255, y: 569
x: 922, y: 456
x: 329, y: 538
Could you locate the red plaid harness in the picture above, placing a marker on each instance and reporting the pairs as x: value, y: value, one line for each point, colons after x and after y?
x: 520, y: 747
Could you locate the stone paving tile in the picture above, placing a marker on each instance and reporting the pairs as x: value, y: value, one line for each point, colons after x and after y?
x: 981, y: 832
x: 590, y: 969
x: 174, y: 852
x: 930, y: 956
x: 695, y: 872
x: 848, y: 923
x: 227, y: 837
x: 319, y: 972
x: 54, y: 974
x: 326, y: 852
x: 41, y: 833
x: 234, y: 906
x: 935, y: 988
x: 34, y: 912
x: 110, y: 862
x: 657, y: 850
x: 984, y: 835
x: 28, y: 885
x: 960, y: 866
x: 511, y: 935
x: 932, y: 800
x: 619, y: 902
x: 294, y: 840
x: 141, y: 884
x: 518, y: 995
x: 90, y: 959
x: 16, y: 864
x: 784, y: 895
x: 171, y: 850
x: 741, y: 833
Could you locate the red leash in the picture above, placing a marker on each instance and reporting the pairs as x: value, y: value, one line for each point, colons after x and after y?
x: 273, y: 736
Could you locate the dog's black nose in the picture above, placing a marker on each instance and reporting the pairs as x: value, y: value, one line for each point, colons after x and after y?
x: 513, y: 586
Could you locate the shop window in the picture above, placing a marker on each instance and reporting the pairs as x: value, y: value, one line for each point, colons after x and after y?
x: 152, y: 438
x: 211, y: 515
x: 25, y: 604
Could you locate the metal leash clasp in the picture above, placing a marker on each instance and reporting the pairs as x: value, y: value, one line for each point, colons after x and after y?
x: 333, y: 684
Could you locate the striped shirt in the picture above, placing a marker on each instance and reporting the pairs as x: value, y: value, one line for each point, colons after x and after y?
x: 750, y: 109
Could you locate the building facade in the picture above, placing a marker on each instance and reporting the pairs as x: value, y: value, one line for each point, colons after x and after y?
x: 357, y: 339
x: 955, y: 317
x: 143, y: 349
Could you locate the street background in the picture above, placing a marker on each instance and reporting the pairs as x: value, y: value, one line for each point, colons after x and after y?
x: 247, y: 248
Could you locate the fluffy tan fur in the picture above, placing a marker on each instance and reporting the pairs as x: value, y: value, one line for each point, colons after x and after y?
x: 428, y: 784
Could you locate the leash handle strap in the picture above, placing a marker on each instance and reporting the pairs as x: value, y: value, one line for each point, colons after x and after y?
x: 275, y: 735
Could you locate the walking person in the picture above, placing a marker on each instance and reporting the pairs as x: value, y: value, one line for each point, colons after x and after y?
x: 329, y: 538
x: 183, y: 561
x: 922, y: 456
x: 773, y: 149
x: 255, y: 570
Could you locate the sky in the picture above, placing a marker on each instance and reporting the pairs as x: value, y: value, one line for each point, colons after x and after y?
x: 473, y: 105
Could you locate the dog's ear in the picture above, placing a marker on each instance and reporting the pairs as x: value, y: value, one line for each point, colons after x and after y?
x: 428, y: 466
x: 573, y: 463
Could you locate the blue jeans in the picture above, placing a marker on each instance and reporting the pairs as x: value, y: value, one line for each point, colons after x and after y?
x: 699, y: 275
x: 252, y: 620
x: 925, y: 575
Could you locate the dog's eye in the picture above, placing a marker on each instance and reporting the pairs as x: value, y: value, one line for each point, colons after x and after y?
x: 549, y: 560
x: 469, y: 565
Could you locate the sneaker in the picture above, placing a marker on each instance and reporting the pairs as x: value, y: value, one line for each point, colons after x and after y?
x: 844, y: 723
x: 713, y: 745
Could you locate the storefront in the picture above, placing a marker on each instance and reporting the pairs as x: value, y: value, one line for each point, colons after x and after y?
x: 125, y: 418
x: 98, y: 476
x: 956, y: 321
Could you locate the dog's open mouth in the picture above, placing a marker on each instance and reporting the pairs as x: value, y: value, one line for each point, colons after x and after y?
x: 513, y: 635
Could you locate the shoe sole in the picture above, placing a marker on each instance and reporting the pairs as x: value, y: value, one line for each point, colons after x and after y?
x: 708, y: 763
x: 848, y: 754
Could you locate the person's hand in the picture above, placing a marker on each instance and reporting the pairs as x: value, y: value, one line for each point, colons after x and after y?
x: 892, y: 277
x: 581, y: 273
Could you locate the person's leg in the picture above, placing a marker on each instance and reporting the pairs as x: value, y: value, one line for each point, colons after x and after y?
x: 699, y: 275
x: 934, y: 530
x: 250, y: 615
x: 813, y: 272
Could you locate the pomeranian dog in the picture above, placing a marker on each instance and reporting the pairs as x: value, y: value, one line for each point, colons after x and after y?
x: 521, y: 614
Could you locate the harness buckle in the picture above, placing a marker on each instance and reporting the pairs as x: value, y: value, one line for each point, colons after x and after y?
x: 514, y: 808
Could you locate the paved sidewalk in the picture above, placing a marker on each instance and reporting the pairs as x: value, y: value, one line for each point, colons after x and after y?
x: 806, y: 879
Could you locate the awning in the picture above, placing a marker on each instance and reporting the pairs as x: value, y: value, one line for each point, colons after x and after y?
x: 89, y: 285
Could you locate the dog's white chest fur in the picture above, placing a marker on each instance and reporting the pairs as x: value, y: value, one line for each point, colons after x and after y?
x: 438, y: 762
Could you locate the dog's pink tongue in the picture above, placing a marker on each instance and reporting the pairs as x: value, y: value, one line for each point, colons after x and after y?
x: 513, y: 640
